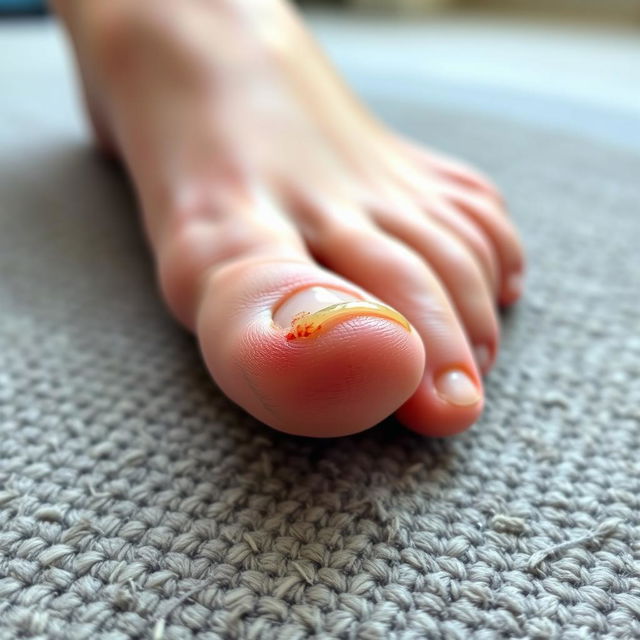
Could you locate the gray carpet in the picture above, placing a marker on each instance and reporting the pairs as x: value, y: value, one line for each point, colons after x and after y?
x: 136, y: 502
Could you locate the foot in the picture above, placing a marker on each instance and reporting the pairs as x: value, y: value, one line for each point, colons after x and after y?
x: 332, y: 271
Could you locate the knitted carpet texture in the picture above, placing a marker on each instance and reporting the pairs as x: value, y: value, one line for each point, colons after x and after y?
x: 137, y: 502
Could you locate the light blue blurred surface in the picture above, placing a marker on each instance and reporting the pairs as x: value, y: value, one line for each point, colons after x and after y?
x: 572, y: 78
x: 576, y: 81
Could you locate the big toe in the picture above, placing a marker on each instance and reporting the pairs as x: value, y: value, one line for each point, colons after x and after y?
x: 304, y: 350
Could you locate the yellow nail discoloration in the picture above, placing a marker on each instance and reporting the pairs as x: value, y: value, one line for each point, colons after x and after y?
x: 305, y: 324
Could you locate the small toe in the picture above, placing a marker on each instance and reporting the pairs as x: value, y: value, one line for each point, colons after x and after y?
x: 451, y: 170
x: 468, y: 232
x: 459, y: 272
x: 486, y: 214
x: 466, y: 176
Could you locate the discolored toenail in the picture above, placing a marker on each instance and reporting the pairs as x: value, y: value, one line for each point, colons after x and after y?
x: 310, y: 310
x: 457, y: 388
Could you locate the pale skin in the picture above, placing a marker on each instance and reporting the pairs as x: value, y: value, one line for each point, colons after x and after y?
x: 333, y: 272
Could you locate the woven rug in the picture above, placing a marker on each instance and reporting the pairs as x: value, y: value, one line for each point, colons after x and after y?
x: 137, y: 502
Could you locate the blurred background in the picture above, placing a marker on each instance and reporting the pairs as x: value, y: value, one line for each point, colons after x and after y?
x: 572, y: 65
x: 594, y: 9
x: 620, y: 10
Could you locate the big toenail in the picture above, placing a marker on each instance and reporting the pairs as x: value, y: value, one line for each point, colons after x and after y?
x: 514, y: 284
x: 456, y: 387
x: 310, y: 310
x: 482, y: 356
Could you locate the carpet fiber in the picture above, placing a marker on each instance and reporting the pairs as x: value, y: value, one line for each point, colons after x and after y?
x: 137, y: 502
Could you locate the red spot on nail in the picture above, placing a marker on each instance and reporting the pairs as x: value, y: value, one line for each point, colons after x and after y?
x: 302, y: 330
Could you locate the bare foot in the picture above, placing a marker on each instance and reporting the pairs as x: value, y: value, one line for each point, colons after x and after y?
x: 254, y: 166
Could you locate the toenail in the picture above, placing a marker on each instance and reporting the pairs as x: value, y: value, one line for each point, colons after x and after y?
x: 514, y: 284
x: 482, y: 356
x: 309, y: 310
x: 456, y: 387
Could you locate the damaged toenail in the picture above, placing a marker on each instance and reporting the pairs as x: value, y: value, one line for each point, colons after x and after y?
x: 514, y: 284
x: 309, y: 310
x: 482, y: 355
x: 457, y: 388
